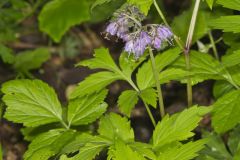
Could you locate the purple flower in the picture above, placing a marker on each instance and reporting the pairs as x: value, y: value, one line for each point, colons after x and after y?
x: 122, y: 27
x: 160, y: 34
x: 157, y: 43
x: 112, y: 28
x: 129, y: 46
x: 164, y: 32
x: 137, y: 43
x: 145, y: 38
x: 127, y: 25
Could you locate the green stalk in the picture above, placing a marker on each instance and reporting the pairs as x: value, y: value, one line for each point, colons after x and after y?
x: 188, y: 43
x: 156, y: 77
x: 187, y: 49
x: 150, y: 114
x: 146, y: 106
x: 215, y: 52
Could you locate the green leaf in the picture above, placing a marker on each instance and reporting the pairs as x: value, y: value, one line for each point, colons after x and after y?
x: 227, y: 23
x: 91, y: 149
x: 30, y: 133
x: 99, y: 2
x: 234, y: 140
x: 180, y: 24
x: 144, y: 5
x: 187, y: 151
x: 210, y: 3
x: 78, y: 142
x: 215, y: 147
x: 87, y: 109
x: 233, y: 4
x: 145, y: 76
x: 94, y: 83
x: 29, y: 60
x: 48, y: 144
x: 128, y: 63
x: 42, y: 154
x: 172, y: 74
x: 149, y: 96
x: 203, y: 66
x: 177, y: 127
x: 102, y: 59
x: 225, y: 112
x: 32, y: 103
x: 230, y: 60
x: 143, y: 149
x: 221, y: 87
x: 124, y: 152
x: 127, y: 101
x: 104, y: 11
x: 6, y: 54
x: 58, y: 16
x: 114, y: 126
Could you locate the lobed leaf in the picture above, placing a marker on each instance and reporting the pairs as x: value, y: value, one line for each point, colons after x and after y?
x: 48, y: 144
x: 233, y: 4
x: 230, y: 60
x: 221, y: 87
x: 177, y: 127
x: 127, y: 101
x: 114, y: 127
x: 145, y: 76
x: 102, y: 59
x: 124, y: 152
x: 87, y: 109
x: 227, y: 23
x: 149, y: 96
x: 31, y: 102
x: 94, y: 83
x: 91, y: 149
x: 187, y: 151
x: 225, y: 112
x: 215, y: 147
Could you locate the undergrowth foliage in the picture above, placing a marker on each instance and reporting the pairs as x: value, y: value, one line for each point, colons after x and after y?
x: 154, y: 54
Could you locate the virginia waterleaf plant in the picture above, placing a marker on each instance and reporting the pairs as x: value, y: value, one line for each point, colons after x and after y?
x: 153, y: 55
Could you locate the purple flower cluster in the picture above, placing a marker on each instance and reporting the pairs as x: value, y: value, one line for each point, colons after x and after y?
x: 127, y: 26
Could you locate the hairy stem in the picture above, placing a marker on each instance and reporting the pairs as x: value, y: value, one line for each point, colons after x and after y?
x: 156, y: 77
x: 187, y: 49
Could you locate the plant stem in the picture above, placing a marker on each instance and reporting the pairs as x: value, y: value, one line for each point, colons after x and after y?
x: 215, y: 52
x: 160, y: 12
x: 146, y: 106
x: 156, y: 76
x: 150, y: 114
x: 189, y: 81
x: 187, y: 49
